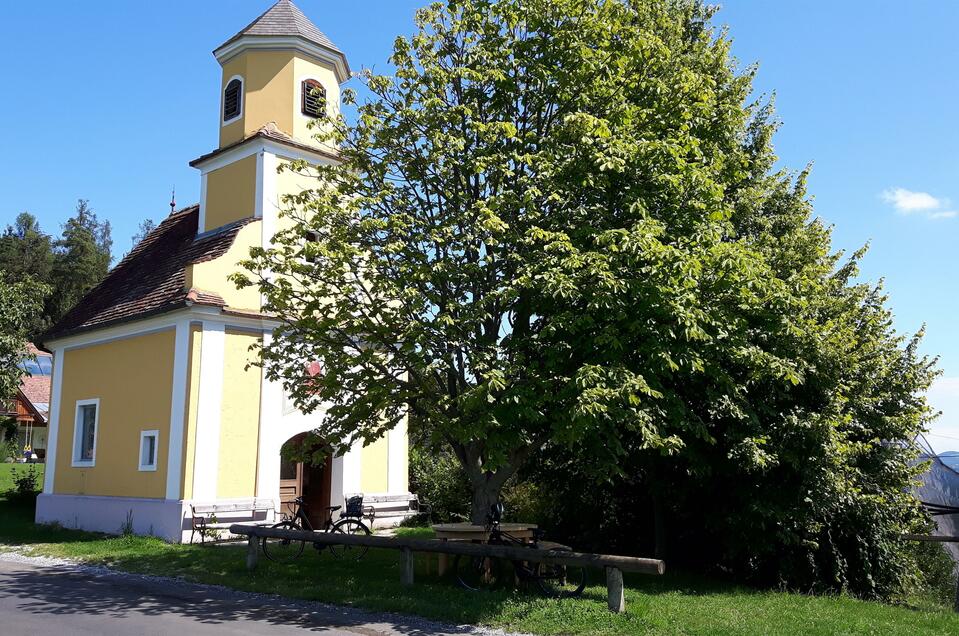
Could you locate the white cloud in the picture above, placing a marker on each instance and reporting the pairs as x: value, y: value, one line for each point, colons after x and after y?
x: 944, y: 432
x: 909, y: 202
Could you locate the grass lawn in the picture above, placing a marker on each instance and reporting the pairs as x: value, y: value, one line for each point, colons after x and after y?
x: 673, y: 604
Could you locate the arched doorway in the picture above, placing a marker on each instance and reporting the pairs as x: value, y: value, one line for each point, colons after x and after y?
x: 299, y: 479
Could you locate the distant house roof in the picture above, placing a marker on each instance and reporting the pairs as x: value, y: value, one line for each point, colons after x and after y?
x: 151, y: 279
x: 36, y: 391
x: 284, y: 19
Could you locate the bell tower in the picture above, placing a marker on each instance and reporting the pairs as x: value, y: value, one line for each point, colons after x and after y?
x: 280, y: 76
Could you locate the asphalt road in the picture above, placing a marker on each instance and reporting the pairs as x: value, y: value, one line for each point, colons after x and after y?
x: 69, y: 601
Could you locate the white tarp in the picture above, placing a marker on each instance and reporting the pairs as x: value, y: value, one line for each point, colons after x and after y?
x: 940, y: 486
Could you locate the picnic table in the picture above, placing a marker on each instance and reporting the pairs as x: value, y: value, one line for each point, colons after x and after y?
x: 477, y: 534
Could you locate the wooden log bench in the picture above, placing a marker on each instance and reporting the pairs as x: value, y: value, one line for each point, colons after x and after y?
x: 613, y: 565
x: 250, y: 512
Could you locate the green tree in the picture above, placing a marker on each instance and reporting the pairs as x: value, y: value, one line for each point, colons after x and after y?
x: 555, y: 230
x: 19, y: 303
x: 25, y: 250
x: 146, y: 226
x: 26, y: 253
x: 81, y: 259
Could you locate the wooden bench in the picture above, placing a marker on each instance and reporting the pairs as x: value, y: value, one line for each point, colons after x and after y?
x: 391, y: 507
x: 207, y: 517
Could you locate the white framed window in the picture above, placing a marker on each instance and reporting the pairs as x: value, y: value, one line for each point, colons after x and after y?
x: 233, y: 100
x: 149, y: 447
x: 85, y: 427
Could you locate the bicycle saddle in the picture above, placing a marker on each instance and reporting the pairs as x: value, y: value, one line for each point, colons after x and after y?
x: 333, y: 508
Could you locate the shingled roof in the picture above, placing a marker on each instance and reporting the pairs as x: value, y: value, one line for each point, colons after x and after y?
x: 285, y: 18
x: 151, y: 279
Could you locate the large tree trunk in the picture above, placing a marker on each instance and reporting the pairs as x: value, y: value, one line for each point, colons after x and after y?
x: 486, y: 485
x: 485, y: 495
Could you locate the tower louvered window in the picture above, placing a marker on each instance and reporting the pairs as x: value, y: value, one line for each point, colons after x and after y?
x: 314, y: 98
x: 231, y: 100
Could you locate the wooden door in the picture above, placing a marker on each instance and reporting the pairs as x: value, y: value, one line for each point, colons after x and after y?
x: 291, y: 484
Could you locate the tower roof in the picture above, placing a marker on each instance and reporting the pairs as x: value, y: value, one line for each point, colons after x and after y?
x: 285, y: 19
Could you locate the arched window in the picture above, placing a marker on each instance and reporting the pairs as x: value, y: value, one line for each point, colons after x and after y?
x: 313, y: 98
x: 232, y: 99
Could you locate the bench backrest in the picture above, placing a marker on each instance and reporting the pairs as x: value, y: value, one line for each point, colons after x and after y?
x: 251, y: 505
x: 375, y: 499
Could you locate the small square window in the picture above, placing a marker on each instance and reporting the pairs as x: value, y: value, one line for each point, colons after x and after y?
x: 149, y: 443
x: 85, y: 433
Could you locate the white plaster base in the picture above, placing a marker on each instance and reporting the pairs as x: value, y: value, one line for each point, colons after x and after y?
x: 169, y: 520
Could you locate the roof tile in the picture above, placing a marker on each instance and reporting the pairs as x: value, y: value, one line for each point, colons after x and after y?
x: 151, y: 279
x: 285, y: 18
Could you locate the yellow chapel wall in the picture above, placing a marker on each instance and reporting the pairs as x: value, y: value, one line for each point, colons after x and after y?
x: 133, y: 380
x: 374, y: 465
x: 230, y: 193
x: 239, y: 418
x: 212, y: 276
x: 267, y: 93
x: 304, y: 69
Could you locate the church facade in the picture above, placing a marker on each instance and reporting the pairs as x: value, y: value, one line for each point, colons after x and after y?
x: 154, y: 404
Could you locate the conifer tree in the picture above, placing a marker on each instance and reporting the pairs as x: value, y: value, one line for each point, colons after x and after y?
x: 81, y: 260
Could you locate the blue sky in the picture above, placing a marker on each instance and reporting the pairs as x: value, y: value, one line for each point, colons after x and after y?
x: 867, y: 92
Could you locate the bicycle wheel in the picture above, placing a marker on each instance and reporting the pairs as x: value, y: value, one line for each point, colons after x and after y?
x: 478, y: 573
x: 560, y: 581
x: 283, y: 550
x: 354, y: 527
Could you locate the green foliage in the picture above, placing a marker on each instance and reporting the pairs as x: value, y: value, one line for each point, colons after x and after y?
x: 146, y: 226
x: 556, y: 232
x: 10, y: 448
x: 936, y: 584
x: 438, y: 479
x: 20, y: 303
x: 26, y: 255
x: 26, y: 484
x: 81, y: 261
x: 25, y: 251
x: 70, y: 266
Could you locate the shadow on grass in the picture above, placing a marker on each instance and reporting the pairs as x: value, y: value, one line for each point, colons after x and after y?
x: 17, y: 527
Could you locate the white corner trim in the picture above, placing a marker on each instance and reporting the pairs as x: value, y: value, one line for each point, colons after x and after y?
x: 53, y: 434
x: 206, y: 464
x: 155, y: 434
x: 201, y: 217
x: 76, y: 461
x: 232, y: 120
x: 258, y: 196
x: 181, y: 367
x: 396, y: 462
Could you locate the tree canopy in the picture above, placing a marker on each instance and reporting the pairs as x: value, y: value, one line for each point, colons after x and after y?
x: 556, y: 228
x: 70, y: 265
x: 19, y: 302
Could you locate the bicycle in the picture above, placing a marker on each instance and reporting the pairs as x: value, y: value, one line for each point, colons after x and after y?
x: 554, y: 580
x: 288, y: 550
